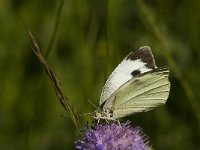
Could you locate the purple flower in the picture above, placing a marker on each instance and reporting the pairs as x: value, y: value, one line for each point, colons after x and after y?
x: 113, y: 136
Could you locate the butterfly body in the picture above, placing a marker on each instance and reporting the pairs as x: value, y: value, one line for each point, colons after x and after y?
x: 136, y: 85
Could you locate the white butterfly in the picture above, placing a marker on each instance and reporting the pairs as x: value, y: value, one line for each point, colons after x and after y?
x: 136, y: 85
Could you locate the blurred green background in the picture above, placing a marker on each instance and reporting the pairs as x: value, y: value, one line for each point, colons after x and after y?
x: 91, y: 38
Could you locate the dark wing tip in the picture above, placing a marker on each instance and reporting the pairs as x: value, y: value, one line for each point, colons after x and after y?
x: 144, y: 53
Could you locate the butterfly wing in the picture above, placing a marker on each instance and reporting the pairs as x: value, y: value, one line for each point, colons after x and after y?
x: 143, y: 93
x: 133, y: 64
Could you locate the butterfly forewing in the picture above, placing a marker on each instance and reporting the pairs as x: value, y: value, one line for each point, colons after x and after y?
x: 133, y: 64
x: 142, y: 93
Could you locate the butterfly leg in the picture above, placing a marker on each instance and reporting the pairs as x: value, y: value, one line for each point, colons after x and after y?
x: 107, y: 121
x: 98, y: 121
x: 119, y: 123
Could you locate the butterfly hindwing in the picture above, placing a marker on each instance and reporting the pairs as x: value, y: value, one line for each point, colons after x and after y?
x: 142, y: 93
x: 134, y: 64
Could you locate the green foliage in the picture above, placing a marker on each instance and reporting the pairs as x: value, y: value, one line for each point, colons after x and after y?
x: 88, y: 39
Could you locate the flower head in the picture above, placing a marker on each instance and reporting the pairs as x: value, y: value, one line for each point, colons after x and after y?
x: 113, y: 136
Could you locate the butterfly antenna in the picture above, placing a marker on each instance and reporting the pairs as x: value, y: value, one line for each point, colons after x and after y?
x: 92, y: 103
x: 85, y: 114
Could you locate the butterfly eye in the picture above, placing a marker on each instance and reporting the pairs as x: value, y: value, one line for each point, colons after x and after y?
x: 98, y: 115
x: 135, y: 72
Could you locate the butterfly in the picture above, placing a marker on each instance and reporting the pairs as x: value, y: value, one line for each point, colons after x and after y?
x: 136, y: 85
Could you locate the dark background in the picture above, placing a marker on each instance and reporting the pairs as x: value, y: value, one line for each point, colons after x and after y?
x: 91, y: 39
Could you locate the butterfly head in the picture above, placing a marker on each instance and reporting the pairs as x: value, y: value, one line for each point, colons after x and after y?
x: 97, y: 113
x: 103, y: 114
